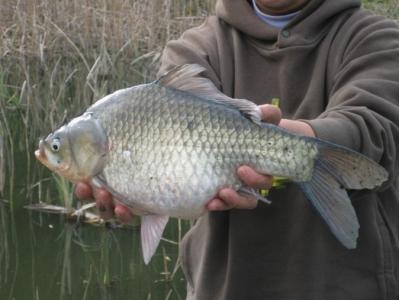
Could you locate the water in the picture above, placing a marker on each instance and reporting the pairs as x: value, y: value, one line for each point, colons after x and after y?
x: 44, y: 256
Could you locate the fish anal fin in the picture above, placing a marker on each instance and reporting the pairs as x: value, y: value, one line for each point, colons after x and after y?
x: 185, y: 78
x: 152, y: 227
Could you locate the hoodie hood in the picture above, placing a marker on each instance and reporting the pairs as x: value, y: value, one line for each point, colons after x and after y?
x: 314, y: 19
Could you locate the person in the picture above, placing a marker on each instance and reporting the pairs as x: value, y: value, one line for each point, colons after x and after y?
x: 335, y: 68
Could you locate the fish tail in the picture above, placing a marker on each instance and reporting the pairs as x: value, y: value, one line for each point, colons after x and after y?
x: 337, y: 169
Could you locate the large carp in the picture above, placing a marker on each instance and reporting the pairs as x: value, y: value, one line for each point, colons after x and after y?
x: 165, y: 148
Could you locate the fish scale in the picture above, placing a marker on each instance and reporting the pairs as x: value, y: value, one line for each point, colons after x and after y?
x: 166, y: 148
x: 177, y: 142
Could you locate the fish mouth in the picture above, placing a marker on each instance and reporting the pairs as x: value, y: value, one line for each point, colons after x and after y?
x: 41, y: 154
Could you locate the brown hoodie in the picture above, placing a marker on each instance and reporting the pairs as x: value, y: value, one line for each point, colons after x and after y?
x: 335, y: 65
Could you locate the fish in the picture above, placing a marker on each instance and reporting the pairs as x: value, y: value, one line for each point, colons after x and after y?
x: 165, y: 148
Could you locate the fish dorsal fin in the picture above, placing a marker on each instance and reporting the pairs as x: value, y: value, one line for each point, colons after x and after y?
x: 152, y: 227
x: 185, y: 78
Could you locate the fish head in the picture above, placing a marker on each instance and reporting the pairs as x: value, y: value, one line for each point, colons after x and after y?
x: 55, y: 152
x: 76, y: 151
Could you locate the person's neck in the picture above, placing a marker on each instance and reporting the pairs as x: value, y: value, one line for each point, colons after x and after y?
x: 281, y: 12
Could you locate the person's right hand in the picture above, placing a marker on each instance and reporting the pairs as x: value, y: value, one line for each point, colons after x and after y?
x: 107, y: 208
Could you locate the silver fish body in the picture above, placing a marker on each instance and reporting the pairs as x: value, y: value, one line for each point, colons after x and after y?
x: 165, y: 149
x: 170, y: 152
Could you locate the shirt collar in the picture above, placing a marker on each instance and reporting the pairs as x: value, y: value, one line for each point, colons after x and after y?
x: 276, y: 21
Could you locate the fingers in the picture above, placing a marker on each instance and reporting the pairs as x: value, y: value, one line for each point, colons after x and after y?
x: 104, y: 202
x: 217, y: 205
x: 254, y: 179
x: 298, y: 127
x: 83, y: 191
x: 123, y: 214
x: 233, y: 199
x: 228, y: 199
x: 270, y: 113
x: 108, y: 209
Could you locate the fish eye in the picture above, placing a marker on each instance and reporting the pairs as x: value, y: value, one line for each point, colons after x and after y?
x: 55, y: 144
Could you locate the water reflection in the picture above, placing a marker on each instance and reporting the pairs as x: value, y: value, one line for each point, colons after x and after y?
x: 44, y: 257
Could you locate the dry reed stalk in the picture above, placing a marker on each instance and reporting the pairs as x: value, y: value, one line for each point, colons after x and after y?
x: 29, y: 25
x: 2, y: 165
x: 63, y: 55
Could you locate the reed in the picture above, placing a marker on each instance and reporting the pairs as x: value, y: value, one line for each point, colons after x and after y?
x: 58, y: 57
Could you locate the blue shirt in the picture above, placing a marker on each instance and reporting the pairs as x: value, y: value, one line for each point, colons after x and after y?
x: 275, y: 21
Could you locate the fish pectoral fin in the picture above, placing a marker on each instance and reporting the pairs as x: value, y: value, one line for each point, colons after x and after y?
x: 152, y: 227
x: 332, y: 202
x: 186, y: 78
x: 100, y: 182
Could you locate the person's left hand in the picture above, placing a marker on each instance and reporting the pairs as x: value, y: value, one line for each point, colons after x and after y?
x: 228, y: 198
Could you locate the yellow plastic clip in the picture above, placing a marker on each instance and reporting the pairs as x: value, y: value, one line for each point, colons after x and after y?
x: 276, y: 102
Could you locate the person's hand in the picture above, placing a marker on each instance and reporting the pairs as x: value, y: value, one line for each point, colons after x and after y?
x: 228, y: 198
x: 107, y: 208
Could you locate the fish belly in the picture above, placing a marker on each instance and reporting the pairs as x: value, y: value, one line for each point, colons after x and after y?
x: 173, y: 181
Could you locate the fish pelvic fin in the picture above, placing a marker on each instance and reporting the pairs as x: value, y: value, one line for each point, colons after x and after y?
x: 337, y: 169
x: 152, y: 227
x: 252, y: 192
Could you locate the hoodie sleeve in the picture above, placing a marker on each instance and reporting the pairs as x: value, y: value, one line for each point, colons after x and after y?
x: 196, y: 46
x: 363, y: 104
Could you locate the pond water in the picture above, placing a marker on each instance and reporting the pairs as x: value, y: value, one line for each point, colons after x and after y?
x: 44, y: 256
